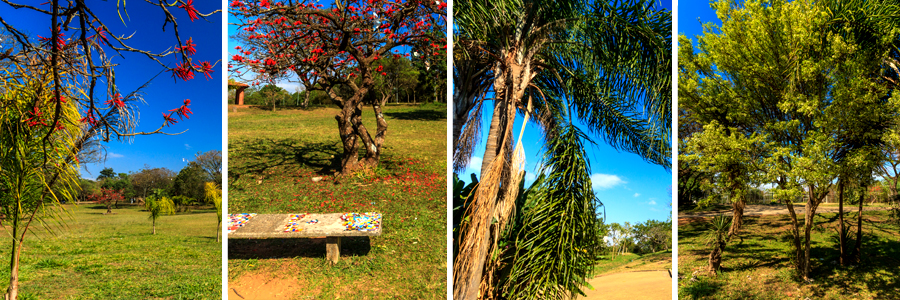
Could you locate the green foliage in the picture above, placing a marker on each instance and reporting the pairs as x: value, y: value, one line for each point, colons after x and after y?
x: 157, y: 206
x: 560, y: 222
x: 189, y: 182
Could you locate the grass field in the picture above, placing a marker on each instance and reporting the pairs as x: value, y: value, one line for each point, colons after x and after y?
x: 630, y: 262
x: 272, y: 159
x: 760, y: 267
x: 97, y: 256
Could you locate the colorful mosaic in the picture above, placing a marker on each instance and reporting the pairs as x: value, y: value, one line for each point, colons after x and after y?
x: 293, y: 224
x: 235, y: 221
x: 369, y: 221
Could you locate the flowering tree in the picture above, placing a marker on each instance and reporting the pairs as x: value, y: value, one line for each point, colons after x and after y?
x: 59, y: 101
x: 109, y: 197
x: 342, y: 45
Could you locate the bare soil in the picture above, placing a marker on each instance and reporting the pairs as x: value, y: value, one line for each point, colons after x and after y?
x: 631, y: 285
x: 263, y: 287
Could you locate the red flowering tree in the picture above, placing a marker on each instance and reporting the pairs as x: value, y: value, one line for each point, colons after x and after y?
x: 109, y: 197
x: 336, y: 47
x: 59, y: 100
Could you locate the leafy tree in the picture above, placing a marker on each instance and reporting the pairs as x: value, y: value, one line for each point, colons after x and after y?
x: 106, y: 173
x: 211, y: 164
x: 158, y: 204
x: 109, y: 197
x: 811, y: 97
x: 149, y: 179
x: 189, y: 183
x: 214, y: 195
x: 556, y: 61
x: 339, y: 46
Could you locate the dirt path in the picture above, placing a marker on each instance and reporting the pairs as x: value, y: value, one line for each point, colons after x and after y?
x: 631, y: 285
x: 761, y: 210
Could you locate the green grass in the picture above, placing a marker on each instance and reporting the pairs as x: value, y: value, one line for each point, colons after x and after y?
x: 272, y: 158
x: 760, y: 267
x: 634, y: 262
x: 97, y: 256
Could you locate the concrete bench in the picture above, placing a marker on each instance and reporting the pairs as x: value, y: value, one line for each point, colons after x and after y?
x: 330, y: 226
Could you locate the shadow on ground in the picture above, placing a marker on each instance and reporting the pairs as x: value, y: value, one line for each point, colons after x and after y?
x: 294, y: 247
x: 419, y: 115
x: 256, y: 156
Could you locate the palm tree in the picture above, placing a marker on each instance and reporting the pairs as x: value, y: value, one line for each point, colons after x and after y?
x: 607, y: 65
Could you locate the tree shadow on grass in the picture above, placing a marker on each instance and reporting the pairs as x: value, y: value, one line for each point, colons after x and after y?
x: 256, y: 156
x: 419, y: 115
x: 876, y: 272
x: 293, y: 247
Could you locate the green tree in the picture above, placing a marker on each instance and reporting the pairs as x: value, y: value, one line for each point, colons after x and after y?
x: 605, y: 64
x: 158, y: 204
x: 189, y: 182
x: 784, y: 75
x: 214, y: 194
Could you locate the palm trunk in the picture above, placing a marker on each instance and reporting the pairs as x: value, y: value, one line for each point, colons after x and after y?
x: 154, y: 226
x: 12, y: 292
x: 218, y: 230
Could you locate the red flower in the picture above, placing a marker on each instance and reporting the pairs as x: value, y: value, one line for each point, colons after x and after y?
x: 189, y: 7
x: 188, y: 47
x: 237, y: 58
x: 183, y: 71
x: 89, y: 118
x: 116, y: 101
x: 206, y: 69
x: 60, y: 42
x: 167, y: 119
x: 183, y: 111
x: 100, y: 36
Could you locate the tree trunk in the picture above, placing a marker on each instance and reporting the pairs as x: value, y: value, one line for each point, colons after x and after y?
x: 795, y: 232
x: 218, y: 230
x: 811, y: 204
x: 350, y: 159
x: 12, y: 292
x: 858, y: 247
x: 154, y: 226
x: 842, y: 233
x: 715, y: 257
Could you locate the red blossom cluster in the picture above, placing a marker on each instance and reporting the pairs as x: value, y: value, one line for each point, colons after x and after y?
x: 188, y: 6
x: 47, y: 42
x: 116, y: 101
x: 182, y: 112
x: 306, y: 39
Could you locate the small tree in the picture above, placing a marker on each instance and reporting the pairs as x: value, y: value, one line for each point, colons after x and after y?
x: 214, y: 195
x: 159, y: 204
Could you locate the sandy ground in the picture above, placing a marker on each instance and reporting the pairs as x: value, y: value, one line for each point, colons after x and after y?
x: 760, y: 210
x: 631, y: 285
x: 260, y: 287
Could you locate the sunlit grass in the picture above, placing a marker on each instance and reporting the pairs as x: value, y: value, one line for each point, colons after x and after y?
x: 760, y: 266
x: 115, y: 256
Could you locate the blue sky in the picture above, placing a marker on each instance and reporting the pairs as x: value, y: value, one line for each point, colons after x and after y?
x: 692, y: 14
x: 204, y: 129
x: 631, y: 189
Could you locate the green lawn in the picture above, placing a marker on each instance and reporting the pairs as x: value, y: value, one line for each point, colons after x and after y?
x: 272, y: 158
x: 630, y: 262
x: 97, y: 256
x: 760, y: 267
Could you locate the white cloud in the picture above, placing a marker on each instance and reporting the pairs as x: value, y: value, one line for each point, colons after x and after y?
x: 652, y: 201
x: 637, y: 195
x: 475, y: 163
x: 530, y: 176
x: 114, y: 155
x: 290, y: 87
x: 605, y: 181
x: 186, y: 146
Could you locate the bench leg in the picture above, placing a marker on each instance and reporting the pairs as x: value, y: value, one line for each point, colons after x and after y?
x: 333, y: 249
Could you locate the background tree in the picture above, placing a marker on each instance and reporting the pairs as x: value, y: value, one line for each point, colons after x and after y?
x: 332, y: 47
x: 211, y: 164
x: 189, y: 183
x: 148, y: 179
